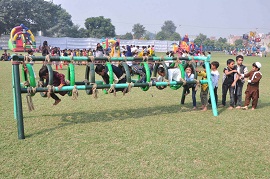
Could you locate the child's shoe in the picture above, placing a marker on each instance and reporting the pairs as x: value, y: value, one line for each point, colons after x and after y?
x: 56, y: 102
x: 245, y: 108
x: 221, y: 106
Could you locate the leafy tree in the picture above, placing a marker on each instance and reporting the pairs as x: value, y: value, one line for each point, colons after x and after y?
x: 63, y: 25
x: 36, y: 15
x: 209, y: 44
x: 82, y: 33
x: 239, y: 43
x: 149, y: 35
x: 99, y: 27
x: 168, y: 27
x: 127, y: 36
x: 161, y: 36
x: 222, y: 40
x: 138, y: 31
x: 175, y: 36
x: 221, y: 44
x: 168, y: 32
x: 200, y: 39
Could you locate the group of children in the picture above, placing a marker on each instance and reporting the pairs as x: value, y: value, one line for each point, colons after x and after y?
x: 189, y: 76
x: 233, y: 81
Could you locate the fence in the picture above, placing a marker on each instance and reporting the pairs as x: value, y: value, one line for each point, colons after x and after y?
x: 81, y: 43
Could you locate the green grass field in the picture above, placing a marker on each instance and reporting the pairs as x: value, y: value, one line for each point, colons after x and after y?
x: 139, y: 135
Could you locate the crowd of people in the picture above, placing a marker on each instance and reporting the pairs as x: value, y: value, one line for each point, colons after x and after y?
x: 114, y: 50
x: 245, y: 52
x: 5, y: 56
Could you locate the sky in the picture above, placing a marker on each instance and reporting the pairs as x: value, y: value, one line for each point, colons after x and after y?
x: 217, y: 18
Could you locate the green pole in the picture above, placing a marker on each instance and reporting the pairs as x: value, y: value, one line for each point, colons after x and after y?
x: 18, y: 97
x: 210, y: 86
x: 183, y: 96
x: 119, y: 85
x: 14, y: 97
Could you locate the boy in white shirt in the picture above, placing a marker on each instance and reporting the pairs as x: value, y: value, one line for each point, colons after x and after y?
x: 241, y: 69
x: 214, y: 78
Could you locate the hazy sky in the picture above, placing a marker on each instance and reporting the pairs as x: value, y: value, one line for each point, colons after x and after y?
x: 218, y: 18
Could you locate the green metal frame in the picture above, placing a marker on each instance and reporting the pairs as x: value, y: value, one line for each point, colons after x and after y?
x: 28, y: 74
x: 127, y: 72
x: 50, y: 82
x: 71, y: 76
x: 111, y: 79
x: 90, y: 72
x: 182, y: 70
x: 18, y: 90
x: 148, y: 75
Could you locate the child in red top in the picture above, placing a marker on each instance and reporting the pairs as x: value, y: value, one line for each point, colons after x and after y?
x: 252, y: 91
x: 58, y: 80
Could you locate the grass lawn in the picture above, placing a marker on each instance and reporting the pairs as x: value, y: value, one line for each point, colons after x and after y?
x: 139, y: 135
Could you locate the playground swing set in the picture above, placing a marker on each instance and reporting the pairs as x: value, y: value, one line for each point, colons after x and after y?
x: 90, y: 84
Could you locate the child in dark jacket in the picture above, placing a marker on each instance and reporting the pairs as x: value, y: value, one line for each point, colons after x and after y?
x: 58, y: 81
x: 230, y: 78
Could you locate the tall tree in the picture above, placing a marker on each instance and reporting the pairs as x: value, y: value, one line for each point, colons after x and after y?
x: 99, y: 27
x: 37, y: 15
x: 221, y: 44
x: 128, y: 36
x: 62, y: 26
x: 138, y: 31
x: 168, y: 32
x: 200, y: 39
x: 175, y: 36
x: 168, y: 27
x: 239, y: 43
x: 161, y: 36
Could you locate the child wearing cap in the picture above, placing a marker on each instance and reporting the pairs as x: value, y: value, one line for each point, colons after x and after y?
x: 252, y: 91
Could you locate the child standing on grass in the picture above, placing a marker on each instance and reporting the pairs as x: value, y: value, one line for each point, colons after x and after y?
x: 241, y: 69
x: 204, y: 89
x: 252, y: 91
x: 189, y: 76
x: 230, y: 78
x: 214, y: 78
x: 58, y: 80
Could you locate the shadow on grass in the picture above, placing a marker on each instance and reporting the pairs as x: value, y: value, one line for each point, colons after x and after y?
x: 105, y: 116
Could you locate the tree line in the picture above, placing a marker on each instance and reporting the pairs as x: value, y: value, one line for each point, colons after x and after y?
x: 54, y: 21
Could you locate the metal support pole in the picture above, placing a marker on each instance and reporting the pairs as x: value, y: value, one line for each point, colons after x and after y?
x: 18, y: 97
x: 183, y: 96
x: 14, y: 97
x: 210, y: 86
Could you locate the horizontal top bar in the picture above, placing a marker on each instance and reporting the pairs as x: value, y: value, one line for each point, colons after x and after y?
x: 89, y: 59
